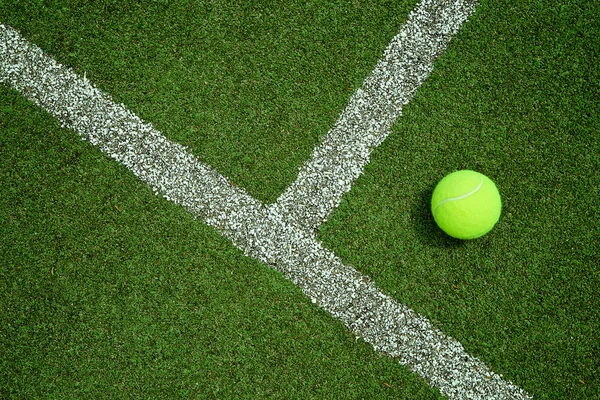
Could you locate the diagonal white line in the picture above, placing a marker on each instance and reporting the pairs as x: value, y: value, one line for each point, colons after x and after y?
x: 364, y: 124
x: 171, y: 170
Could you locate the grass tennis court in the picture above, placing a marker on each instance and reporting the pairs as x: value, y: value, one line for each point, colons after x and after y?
x: 112, y: 292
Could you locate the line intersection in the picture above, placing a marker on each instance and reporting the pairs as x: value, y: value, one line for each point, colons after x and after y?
x: 265, y: 233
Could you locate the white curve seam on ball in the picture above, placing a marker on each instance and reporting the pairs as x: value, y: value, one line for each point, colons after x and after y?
x: 460, y: 197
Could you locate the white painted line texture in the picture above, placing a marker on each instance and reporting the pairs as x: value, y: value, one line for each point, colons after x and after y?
x: 343, y: 153
x: 171, y: 170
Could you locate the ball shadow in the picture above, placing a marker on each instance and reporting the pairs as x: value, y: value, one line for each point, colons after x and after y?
x: 426, y: 228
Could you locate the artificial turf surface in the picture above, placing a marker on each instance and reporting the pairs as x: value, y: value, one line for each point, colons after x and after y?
x: 110, y: 292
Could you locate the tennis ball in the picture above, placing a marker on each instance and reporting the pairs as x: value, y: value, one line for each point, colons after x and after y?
x: 466, y: 204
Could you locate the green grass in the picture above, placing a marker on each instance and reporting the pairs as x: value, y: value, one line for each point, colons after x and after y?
x: 249, y: 86
x: 517, y: 99
x: 111, y: 292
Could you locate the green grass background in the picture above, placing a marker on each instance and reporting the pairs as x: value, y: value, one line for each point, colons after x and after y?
x: 111, y: 292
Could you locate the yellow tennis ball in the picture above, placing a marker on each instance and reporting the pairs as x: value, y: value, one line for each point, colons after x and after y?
x: 466, y: 204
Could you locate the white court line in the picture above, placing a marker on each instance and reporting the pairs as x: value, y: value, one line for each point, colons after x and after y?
x: 171, y: 170
x: 364, y: 124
